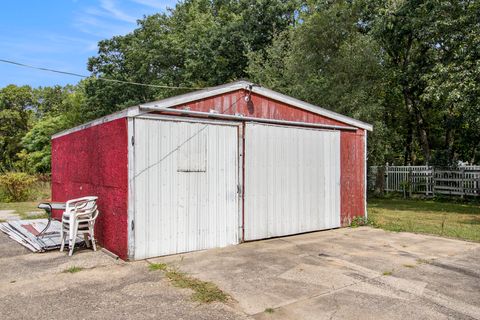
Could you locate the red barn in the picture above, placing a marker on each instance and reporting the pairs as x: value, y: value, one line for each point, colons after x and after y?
x: 211, y: 168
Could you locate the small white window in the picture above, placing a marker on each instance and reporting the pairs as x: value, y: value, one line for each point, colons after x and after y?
x: 192, y: 152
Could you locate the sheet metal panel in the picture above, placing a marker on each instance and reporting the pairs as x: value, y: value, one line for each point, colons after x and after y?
x: 352, y: 186
x: 292, y: 180
x: 186, y: 177
x: 353, y: 175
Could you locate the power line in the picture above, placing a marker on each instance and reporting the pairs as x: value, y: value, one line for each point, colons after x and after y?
x: 102, y: 79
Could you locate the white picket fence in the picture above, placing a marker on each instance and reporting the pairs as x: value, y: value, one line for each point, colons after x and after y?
x: 428, y: 180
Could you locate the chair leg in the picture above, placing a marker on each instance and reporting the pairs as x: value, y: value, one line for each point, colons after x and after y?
x: 87, y: 241
x: 92, y: 238
x: 73, y: 239
x: 62, y: 235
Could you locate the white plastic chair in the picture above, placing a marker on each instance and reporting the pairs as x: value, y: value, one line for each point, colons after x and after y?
x: 79, y: 218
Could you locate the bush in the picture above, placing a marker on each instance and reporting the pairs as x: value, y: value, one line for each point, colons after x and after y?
x: 16, y: 185
x: 358, y: 221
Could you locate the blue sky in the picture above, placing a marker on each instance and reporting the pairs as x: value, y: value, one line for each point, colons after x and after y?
x: 62, y: 34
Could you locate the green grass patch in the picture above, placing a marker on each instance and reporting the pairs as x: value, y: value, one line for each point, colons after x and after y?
x: 269, y: 310
x: 456, y: 220
x: 409, y: 266
x: 23, y: 209
x: 387, y: 273
x: 203, y: 291
x: 157, y: 266
x: 73, y: 269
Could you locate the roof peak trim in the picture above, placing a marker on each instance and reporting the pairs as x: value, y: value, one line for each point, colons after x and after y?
x: 242, y: 84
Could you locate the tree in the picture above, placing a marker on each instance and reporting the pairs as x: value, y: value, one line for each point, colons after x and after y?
x: 16, y: 112
x: 29, y: 117
x: 199, y: 43
x: 35, y: 156
x: 408, y: 67
x: 58, y: 108
x: 432, y: 50
x: 329, y: 60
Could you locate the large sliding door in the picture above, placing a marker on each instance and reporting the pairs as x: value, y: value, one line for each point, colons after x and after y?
x: 292, y: 180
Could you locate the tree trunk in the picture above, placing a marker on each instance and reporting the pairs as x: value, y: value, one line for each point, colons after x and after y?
x: 449, y: 134
x: 474, y: 153
x: 408, y: 157
x: 415, y: 114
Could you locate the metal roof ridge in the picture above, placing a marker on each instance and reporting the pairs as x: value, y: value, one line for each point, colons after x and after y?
x: 244, y: 84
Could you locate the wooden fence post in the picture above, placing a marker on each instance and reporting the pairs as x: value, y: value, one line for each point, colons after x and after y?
x: 410, y: 182
x: 432, y: 181
x: 462, y: 172
x: 427, y: 180
x: 478, y: 185
x: 386, y: 178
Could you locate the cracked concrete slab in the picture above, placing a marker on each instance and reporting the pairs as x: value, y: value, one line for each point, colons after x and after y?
x: 338, y: 274
x: 35, y: 285
x: 345, y: 274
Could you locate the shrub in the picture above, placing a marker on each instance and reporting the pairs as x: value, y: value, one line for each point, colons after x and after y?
x: 358, y: 221
x: 16, y: 185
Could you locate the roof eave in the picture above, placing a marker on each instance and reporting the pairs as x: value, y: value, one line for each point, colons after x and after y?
x: 310, y: 107
x: 214, y: 91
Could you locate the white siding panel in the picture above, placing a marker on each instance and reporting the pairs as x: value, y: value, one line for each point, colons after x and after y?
x: 186, y: 177
x: 292, y: 180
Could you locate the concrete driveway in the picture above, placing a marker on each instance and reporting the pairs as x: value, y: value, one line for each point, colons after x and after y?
x: 36, y: 286
x: 361, y: 273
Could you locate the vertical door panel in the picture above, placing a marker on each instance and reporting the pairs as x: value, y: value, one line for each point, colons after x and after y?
x: 185, y: 187
x: 292, y: 180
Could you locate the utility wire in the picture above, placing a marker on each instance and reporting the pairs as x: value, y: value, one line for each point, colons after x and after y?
x: 102, y: 79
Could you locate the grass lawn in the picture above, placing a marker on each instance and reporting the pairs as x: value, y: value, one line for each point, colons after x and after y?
x: 22, y: 208
x: 457, y: 220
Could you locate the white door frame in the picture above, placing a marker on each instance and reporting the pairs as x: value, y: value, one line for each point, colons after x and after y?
x: 131, y: 169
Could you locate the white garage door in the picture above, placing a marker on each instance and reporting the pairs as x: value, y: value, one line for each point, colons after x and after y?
x: 185, y: 188
x: 292, y: 180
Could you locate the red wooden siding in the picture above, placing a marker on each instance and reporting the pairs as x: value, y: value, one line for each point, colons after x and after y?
x: 94, y: 161
x: 352, y: 175
x: 352, y: 143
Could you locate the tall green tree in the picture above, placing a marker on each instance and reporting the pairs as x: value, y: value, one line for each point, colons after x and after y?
x: 329, y: 60
x: 408, y: 67
x: 199, y: 43
x: 16, y: 113
x: 57, y: 108
x: 432, y: 52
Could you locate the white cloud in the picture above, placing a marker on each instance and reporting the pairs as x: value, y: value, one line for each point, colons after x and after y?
x: 110, y: 7
x: 152, y: 3
x: 108, y: 18
x: 104, y: 20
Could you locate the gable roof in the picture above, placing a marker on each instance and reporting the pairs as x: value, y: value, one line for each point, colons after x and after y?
x: 237, y: 85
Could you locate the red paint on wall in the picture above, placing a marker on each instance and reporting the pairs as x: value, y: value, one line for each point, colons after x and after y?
x: 258, y: 107
x: 352, y: 189
x: 352, y: 175
x: 94, y: 161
